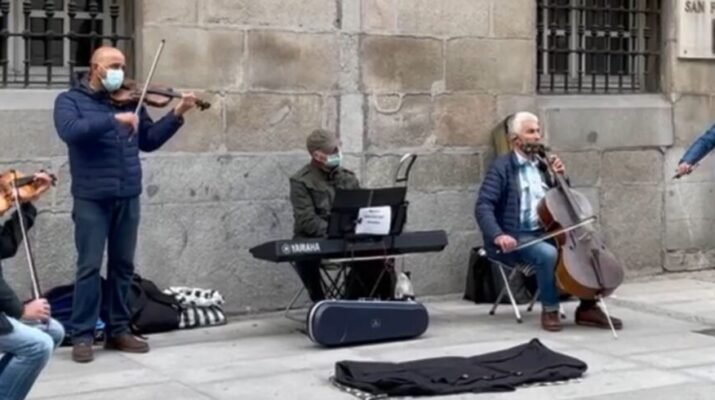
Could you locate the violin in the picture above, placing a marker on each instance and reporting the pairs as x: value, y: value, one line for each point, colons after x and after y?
x: 28, y: 188
x: 156, y: 96
x: 586, y: 268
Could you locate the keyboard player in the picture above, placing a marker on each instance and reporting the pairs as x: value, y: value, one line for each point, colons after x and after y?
x: 312, y: 191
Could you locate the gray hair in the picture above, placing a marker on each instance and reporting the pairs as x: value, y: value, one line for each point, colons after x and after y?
x: 516, y: 122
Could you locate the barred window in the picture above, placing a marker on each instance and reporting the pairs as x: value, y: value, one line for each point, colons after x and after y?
x: 598, y: 46
x: 44, y: 42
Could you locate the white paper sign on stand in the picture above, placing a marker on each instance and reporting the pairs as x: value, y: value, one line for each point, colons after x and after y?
x: 374, y: 221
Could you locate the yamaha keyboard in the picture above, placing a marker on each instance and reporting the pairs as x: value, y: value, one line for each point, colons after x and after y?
x: 358, y: 247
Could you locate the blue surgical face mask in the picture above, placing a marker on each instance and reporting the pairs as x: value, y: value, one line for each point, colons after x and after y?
x: 113, y: 80
x: 334, y: 160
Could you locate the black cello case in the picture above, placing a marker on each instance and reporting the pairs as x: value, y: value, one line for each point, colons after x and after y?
x: 334, y: 323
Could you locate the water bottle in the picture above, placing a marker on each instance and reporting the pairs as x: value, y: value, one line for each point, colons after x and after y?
x: 403, y: 287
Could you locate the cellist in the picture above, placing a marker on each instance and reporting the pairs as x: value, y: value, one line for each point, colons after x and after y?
x: 506, y: 212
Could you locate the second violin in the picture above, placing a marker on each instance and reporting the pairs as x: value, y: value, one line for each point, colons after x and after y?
x: 29, y: 187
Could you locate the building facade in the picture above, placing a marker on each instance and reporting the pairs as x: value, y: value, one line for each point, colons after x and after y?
x: 432, y: 77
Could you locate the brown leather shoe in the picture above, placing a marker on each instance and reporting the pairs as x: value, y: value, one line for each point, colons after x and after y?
x: 82, y: 352
x: 596, y: 318
x: 550, y: 321
x: 128, y: 343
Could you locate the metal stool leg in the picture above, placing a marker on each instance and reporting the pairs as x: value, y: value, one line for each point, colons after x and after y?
x: 292, y: 303
x: 509, y: 293
x: 533, y: 301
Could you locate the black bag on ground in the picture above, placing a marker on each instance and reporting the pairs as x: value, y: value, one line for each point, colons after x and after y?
x: 484, y: 282
x: 373, y: 279
x: 151, y: 310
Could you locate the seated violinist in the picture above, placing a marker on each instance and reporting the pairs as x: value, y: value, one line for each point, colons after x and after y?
x: 28, y: 335
x: 507, y: 216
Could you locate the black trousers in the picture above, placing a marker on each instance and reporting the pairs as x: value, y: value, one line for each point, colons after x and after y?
x: 363, y: 277
x: 100, y: 224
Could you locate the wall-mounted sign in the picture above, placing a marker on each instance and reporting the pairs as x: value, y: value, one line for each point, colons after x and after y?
x: 696, y: 28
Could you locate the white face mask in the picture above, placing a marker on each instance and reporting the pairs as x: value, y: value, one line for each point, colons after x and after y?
x: 113, y: 80
x: 334, y: 160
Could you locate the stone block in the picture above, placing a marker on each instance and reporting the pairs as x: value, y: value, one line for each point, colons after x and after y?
x: 207, y: 245
x: 689, y: 218
x: 507, y: 105
x: 312, y: 15
x: 490, y: 65
x: 210, y: 59
x: 169, y: 11
x: 350, y: 15
x: 52, y: 241
x: 443, y: 18
x: 637, y: 166
x: 693, y: 77
x: 218, y: 178
x: 692, y: 116
x: 632, y: 221
x: 690, y: 201
x: 400, y: 64
x: 62, y: 198
x: 514, y: 19
x: 606, y: 122
x: 271, y: 122
x: 691, y: 234
x: 379, y: 15
x: 430, y: 173
x: 689, y: 259
x: 352, y: 122
x: 203, y: 131
x: 29, y: 134
x: 293, y: 61
x: 464, y: 120
x: 399, y: 121
x: 582, y: 167
x: 349, y: 64
x: 451, y: 211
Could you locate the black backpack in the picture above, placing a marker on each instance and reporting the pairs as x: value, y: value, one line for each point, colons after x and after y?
x: 484, y: 282
x: 151, y: 310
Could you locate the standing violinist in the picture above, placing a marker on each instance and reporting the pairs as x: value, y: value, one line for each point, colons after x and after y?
x: 507, y: 216
x: 104, y: 138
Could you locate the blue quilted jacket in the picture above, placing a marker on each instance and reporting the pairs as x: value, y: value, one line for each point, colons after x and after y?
x: 499, y: 200
x: 104, y: 163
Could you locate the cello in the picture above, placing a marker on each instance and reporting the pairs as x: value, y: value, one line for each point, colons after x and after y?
x: 585, y: 267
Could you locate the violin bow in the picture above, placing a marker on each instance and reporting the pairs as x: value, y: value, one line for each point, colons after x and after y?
x: 36, y: 292
x: 148, y: 80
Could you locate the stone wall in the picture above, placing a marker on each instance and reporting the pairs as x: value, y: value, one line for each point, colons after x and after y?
x: 391, y: 76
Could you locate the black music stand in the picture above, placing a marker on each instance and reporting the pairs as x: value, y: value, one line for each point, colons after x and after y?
x: 347, y: 205
x: 343, y: 220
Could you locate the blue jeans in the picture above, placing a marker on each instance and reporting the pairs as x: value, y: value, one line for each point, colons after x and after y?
x: 113, y: 222
x: 542, y: 256
x: 27, y: 349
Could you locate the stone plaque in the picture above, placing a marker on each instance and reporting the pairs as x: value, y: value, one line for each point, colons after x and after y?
x: 696, y: 28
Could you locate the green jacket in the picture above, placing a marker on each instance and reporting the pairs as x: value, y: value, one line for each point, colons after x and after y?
x: 312, y: 192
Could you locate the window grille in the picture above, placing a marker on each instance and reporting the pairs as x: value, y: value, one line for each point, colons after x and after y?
x: 43, y: 43
x: 598, y: 46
